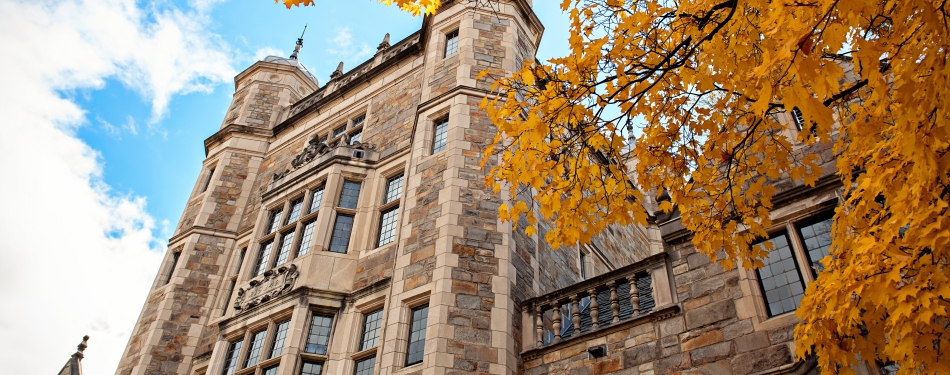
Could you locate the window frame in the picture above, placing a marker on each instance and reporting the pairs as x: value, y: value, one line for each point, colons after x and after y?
x: 329, y: 337
x: 361, y: 345
x: 390, y: 205
x: 451, y: 41
x: 798, y: 270
x: 438, y: 143
x: 409, y: 342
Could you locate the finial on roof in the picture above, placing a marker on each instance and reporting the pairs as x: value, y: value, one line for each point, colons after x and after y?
x: 293, y: 56
x: 81, y: 347
x: 338, y: 72
x: 384, y: 44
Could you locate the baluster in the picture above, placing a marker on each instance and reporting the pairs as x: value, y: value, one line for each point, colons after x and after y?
x: 539, y: 329
x: 594, y: 312
x: 576, y: 316
x: 557, y: 321
x: 634, y: 294
x: 614, y: 301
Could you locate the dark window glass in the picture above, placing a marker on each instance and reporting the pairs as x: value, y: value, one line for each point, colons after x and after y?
x: 780, y: 277
x: 817, y: 240
x: 311, y: 368
x: 583, y: 266
x: 358, y: 121
x: 208, y: 181
x: 307, y: 236
x: 365, y: 366
x: 356, y: 136
x: 441, y: 126
x: 340, y: 240
x: 279, y: 338
x: 338, y: 131
x: 286, y: 242
x: 240, y: 260
x: 231, y: 358
x: 254, y: 352
x: 451, y: 43
x: 350, y: 194
x: 227, y: 299
x: 387, y: 226
x: 262, y: 257
x: 271, y: 370
x: 417, y: 335
x: 274, y: 220
x: 171, y: 271
x: 798, y: 118
x: 319, y: 335
x: 295, y: 208
x: 315, y: 201
x: 371, y: 327
x: 393, y: 188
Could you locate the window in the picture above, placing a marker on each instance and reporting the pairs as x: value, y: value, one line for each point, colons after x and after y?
x: 271, y: 370
x: 356, y: 136
x: 254, y: 352
x: 451, y: 43
x: 816, y: 238
x: 393, y: 188
x: 438, y: 142
x: 350, y: 194
x: 171, y: 271
x: 277, y: 346
x: 583, y: 264
x: 322, y: 138
x: 340, y: 240
x: 208, y: 181
x: 339, y: 131
x: 365, y: 366
x: 295, y: 207
x: 307, y: 236
x: 371, y: 327
x: 798, y: 119
x: 311, y: 368
x: 231, y: 357
x: 358, y: 121
x: 315, y: 201
x: 262, y: 256
x: 286, y: 242
x: 417, y: 335
x: 780, y: 278
x: 227, y: 299
x: 319, y: 335
x: 274, y: 220
x: 387, y: 226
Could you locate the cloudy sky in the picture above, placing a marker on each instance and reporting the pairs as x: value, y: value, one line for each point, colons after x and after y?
x: 104, y: 105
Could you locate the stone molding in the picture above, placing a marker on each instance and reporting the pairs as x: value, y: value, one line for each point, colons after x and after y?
x: 315, y: 148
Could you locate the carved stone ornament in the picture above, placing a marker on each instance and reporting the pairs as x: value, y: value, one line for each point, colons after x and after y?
x: 272, y: 285
x: 316, y: 148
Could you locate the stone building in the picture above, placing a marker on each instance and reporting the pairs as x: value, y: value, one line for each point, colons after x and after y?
x: 345, y: 228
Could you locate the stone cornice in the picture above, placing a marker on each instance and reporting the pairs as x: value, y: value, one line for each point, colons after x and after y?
x: 198, y: 229
x: 228, y: 131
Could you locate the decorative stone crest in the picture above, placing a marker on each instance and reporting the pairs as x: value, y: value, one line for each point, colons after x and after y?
x: 315, y: 148
x: 272, y: 285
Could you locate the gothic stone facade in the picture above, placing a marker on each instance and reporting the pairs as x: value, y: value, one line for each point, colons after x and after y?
x: 347, y: 229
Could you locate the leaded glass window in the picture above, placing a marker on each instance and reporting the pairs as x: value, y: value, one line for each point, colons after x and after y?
x: 319, y: 335
x: 307, y: 237
x: 817, y: 240
x: 278, y: 345
x: 231, y: 357
x: 417, y: 335
x: 262, y: 257
x: 286, y: 242
x: 365, y: 366
x: 271, y: 370
x: 340, y: 240
x: 311, y: 368
x: 315, y: 201
x: 274, y: 220
x: 254, y: 352
x: 393, y: 188
x: 387, y: 226
x: 295, y: 208
x: 439, y: 141
x: 339, y: 131
x: 451, y: 43
x: 780, y: 277
x: 350, y: 194
x: 356, y: 136
x: 371, y: 327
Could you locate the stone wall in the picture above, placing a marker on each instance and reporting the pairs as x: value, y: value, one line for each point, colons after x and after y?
x: 390, y: 124
x: 226, y: 191
x: 374, y: 268
x: 261, y: 106
x: 191, y: 212
x: 273, y: 163
x: 489, y: 51
x: 420, y: 244
x: 622, y: 245
x: 445, y: 75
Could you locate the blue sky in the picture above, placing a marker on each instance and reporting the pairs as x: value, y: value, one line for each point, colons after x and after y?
x: 106, y: 104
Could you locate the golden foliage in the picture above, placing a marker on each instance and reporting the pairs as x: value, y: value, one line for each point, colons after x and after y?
x: 415, y: 7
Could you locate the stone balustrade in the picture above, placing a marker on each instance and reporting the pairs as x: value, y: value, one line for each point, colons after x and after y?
x: 594, y: 304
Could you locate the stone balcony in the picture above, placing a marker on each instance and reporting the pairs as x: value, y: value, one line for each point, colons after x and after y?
x: 596, y: 306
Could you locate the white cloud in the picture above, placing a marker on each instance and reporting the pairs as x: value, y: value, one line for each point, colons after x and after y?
x: 261, y: 53
x: 341, y: 44
x: 76, y: 257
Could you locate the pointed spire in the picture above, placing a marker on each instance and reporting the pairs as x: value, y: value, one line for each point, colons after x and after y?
x: 293, y: 56
x: 384, y: 44
x: 338, y: 72
x: 81, y: 347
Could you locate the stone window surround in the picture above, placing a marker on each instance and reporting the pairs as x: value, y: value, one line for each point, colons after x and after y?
x: 335, y: 321
x: 753, y: 304
x: 348, y: 125
x: 428, y: 130
x: 384, y: 177
x: 205, y: 180
x: 403, y: 317
x: 246, y: 333
x: 453, y: 24
x: 334, y: 199
x: 360, y: 309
